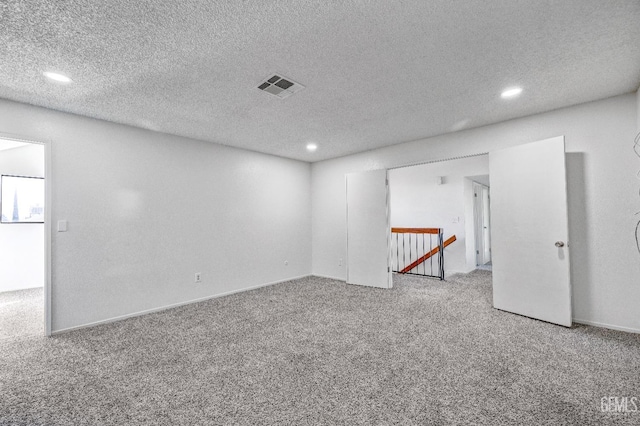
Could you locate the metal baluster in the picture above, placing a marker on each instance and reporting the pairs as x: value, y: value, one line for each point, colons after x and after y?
x: 417, y: 256
x: 430, y: 250
x: 404, y: 262
x: 424, y: 266
x: 441, y: 244
x: 410, y: 254
x: 397, y: 253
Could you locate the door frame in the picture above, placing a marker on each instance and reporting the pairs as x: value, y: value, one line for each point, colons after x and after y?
x: 47, y: 284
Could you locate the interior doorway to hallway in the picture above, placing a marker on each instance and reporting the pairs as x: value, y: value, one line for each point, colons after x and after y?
x: 515, y: 219
x: 22, y: 238
x: 440, y: 195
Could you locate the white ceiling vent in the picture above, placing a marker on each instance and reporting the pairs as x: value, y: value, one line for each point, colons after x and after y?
x: 279, y: 86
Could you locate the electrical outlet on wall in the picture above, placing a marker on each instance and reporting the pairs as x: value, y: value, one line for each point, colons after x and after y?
x: 198, y: 277
x: 286, y: 263
x: 340, y: 262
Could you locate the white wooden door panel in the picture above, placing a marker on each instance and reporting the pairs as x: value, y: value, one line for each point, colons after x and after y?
x: 368, y: 231
x: 528, y: 216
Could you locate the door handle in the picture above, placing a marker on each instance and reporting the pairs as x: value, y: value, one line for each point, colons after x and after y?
x: 559, y: 244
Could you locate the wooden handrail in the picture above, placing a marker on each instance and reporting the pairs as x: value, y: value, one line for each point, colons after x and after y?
x: 428, y: 255
x: 415, y: 230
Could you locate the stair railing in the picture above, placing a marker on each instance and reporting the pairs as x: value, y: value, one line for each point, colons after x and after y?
x: 419, y: 251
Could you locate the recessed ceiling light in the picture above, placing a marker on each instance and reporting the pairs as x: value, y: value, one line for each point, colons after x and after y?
x: 312, y: 147
x: 511, y: 92
x: 57, y: 77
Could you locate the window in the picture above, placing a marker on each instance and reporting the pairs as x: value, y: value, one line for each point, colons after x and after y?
x: 22, y: 199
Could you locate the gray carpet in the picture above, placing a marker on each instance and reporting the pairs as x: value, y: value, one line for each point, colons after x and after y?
x: 317, y: 351
x: 21, y: 313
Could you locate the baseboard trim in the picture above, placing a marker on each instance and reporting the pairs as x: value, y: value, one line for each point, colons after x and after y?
x: 174, y: 305
x: 328, y: 277
x: 609, y: 326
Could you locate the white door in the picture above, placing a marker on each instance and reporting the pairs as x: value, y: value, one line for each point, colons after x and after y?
x: 529, y: 231
x: 368, y: 229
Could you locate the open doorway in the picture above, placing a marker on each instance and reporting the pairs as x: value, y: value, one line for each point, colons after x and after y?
x: 22, y: 239
x: 520, y: 229
x: 440, y: 195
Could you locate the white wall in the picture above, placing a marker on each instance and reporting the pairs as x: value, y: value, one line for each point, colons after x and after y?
x: 147, y: 210
x: 22, y: 245
x: 638, y: 107
x: 602, y: 196
x: 417, y: 201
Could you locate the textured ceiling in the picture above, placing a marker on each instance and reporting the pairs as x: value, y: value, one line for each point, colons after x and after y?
x: 376, y: 72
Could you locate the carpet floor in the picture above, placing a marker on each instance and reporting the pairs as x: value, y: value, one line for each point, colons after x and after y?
x: 21, y: 313
x: 318, y: 351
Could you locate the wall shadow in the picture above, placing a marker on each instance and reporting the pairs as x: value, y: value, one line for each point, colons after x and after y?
x: 581, y: 295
